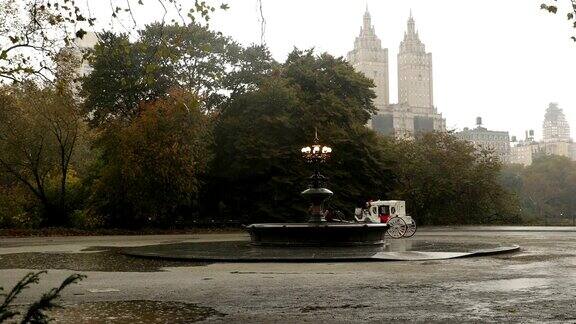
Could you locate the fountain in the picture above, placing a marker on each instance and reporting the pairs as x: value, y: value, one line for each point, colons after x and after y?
x: 317, y: 231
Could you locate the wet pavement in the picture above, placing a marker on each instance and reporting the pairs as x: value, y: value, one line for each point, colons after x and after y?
x: 107, y: 259
x: 134, y: 311
x: 534, y: 285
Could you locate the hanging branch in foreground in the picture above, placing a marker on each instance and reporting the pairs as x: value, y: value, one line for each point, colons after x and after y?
x: 570, y: 15
x: 36, y: 311
x: 32, y: 32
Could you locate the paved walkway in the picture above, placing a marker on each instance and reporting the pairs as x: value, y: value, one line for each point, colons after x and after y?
x: 534, y: 285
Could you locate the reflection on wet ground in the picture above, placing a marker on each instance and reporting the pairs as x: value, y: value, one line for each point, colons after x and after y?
x: 244, y: 251
x: 101, y: 259
x: 133, y: 311
x: 507, y: 285
x: 405, y: 245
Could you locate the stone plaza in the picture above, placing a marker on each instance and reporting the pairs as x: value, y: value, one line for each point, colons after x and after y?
x: 516, y: 287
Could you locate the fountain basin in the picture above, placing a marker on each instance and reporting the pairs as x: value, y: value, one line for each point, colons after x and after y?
x: 317, y: 234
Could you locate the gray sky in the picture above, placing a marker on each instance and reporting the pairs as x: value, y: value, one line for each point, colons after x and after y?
x: 504, y: 60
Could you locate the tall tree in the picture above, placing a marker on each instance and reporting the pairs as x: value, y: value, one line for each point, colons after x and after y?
x: 192, y: 57
x: 152, y: 169
x: 332, y: 90
x: 448, y: 181
x: 121, y: 80
x: 40, y: 132
x: 259, y: 136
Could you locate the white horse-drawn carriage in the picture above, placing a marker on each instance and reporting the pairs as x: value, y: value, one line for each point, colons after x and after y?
x: 392, y: 212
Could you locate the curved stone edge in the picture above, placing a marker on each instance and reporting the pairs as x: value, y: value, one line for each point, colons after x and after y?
x: 383, y: 257
x: 493, y: 251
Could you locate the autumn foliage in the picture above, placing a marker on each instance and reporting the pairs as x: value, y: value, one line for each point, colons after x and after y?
x: 152, y: 169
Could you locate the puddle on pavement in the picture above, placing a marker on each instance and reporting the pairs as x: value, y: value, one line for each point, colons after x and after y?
x: 98, y: 259
x: 506, y: 285
x: 535, y: 268
x: 135, y: 311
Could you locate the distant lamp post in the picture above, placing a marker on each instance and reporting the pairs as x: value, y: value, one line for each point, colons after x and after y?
x: 317, y: 154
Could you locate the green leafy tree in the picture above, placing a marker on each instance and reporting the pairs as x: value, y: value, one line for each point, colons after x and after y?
x: 40, y: 135
x: 152, y: 169
x: 250, y: 66
x: 127, y: 74
x: 548, y: 188
x: 193, y: 57
x: 258, y: 169
x: 327, y: 81
x: 121, y: 81
x: 446, y: 181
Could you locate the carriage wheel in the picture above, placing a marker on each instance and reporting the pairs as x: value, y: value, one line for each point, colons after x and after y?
x: 397, y: 227
x: 410, y: 229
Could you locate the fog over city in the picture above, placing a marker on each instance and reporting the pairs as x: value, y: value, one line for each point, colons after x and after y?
x: 502, y: 60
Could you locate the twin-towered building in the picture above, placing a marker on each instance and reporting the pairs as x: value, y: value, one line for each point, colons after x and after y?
x: 415, y: 112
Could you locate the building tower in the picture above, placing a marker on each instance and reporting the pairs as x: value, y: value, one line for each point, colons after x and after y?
x: 371, y: 59
x: 414, y: 70
x: 555, y: 127
x: 82, y: 45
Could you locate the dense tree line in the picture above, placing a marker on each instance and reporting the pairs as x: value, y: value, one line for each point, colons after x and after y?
x: 184, y: 125
x: 449, y: 181
x: 546, y: 189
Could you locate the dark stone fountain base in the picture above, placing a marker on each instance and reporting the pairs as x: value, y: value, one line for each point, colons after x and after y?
x: 317, y: 234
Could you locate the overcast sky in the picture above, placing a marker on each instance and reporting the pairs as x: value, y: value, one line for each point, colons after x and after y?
x: 504, y: 60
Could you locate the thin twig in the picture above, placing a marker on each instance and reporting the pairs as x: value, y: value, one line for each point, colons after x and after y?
x: 262, y: 24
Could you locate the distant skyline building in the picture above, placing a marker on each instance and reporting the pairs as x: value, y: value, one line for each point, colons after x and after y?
x: 524, y: 151
x: 81, y: 45
x: 414, y: 70
x: 556, y: 139
x: 415, y: 112
x: 74, y: 62
x: 370, y: 58
x: 481, y: 137
x: 555, y: 127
